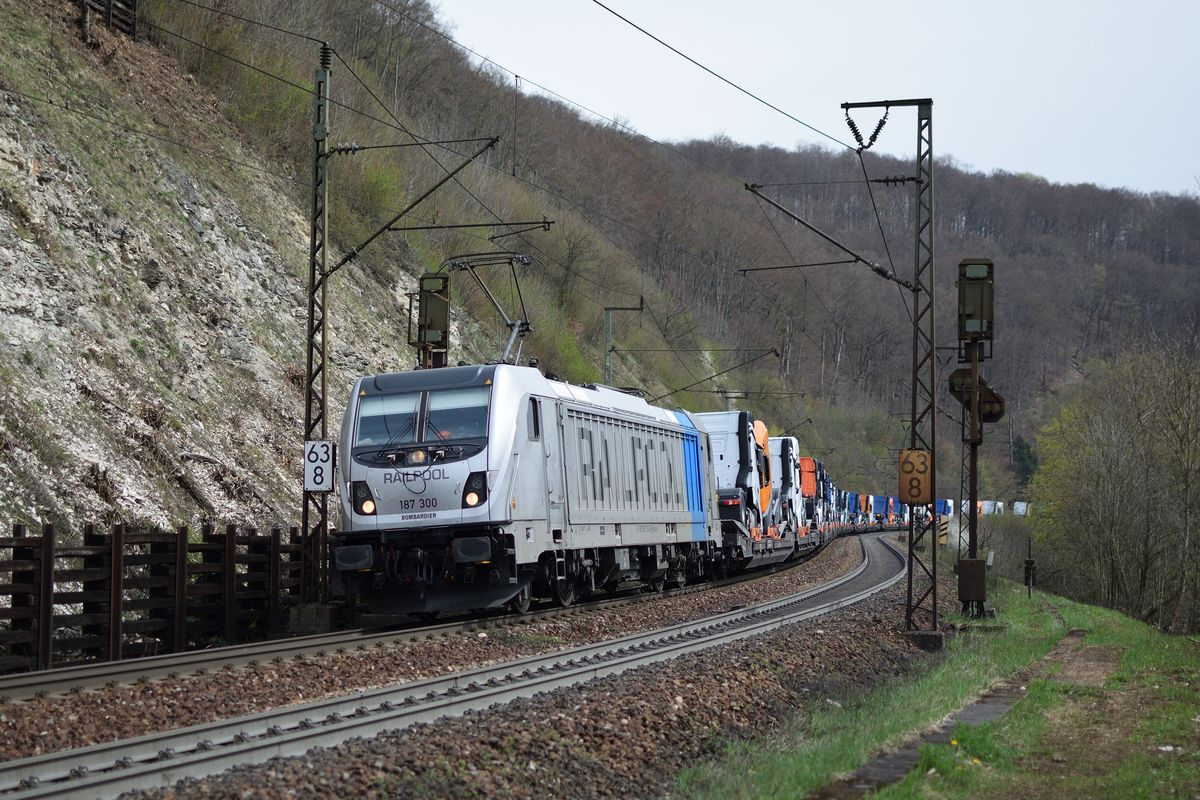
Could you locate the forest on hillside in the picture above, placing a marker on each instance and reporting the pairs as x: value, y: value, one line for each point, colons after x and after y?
x: 1082, y: 272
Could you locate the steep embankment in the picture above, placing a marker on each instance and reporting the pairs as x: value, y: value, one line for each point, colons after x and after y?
x: 152, y: 322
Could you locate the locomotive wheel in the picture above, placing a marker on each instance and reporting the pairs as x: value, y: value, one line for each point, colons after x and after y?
x: 564, y: 592
x: 681, y: 577
x: 520, y: 603
x: 656, y: 585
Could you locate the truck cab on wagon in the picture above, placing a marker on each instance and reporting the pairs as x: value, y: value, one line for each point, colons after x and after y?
x: 742, y: 469
x: 785, y: 477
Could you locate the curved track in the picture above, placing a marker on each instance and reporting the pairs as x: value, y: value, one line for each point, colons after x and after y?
x: 161, y: 759
x: 64, y: 680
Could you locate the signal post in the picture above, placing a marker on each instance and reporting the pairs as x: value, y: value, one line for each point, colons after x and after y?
x: 981, y: 404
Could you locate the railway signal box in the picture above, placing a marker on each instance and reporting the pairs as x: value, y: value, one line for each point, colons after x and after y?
x: 429, y: 326
x: 991, y: 404
x: 975, y: 299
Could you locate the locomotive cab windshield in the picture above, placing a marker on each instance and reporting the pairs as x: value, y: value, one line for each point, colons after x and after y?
x: 393, y: 423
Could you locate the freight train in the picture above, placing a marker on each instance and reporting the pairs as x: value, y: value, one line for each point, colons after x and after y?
x: 479, y: 487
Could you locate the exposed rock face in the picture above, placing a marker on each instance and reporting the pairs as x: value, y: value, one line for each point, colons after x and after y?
x: 153, y: 303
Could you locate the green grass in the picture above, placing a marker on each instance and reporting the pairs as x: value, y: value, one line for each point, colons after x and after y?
x: 823, y: 741
x: 1159, y: 672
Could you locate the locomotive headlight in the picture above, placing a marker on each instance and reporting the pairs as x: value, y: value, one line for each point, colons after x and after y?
x: 363, y: 500
x: 475, y: 490
x: 416, y: 457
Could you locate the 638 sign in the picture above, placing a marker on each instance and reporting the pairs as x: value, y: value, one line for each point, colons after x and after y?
x: 318, y: 466
x: 916, y: 488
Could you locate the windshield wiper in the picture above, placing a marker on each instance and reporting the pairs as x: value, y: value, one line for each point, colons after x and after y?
x: 393, y: 443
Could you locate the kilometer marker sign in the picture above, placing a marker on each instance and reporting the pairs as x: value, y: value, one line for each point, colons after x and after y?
x: 915, y: 486
x: 318, y: 466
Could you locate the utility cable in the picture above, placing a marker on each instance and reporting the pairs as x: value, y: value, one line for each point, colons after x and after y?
x: 305, y: 89
x: 810, y: 183
x: 396, y: 125
x: 663, y: 333
x: 722, y: 78
x: 252, y: 21
x: 234, y: 59
x: 460, y: 184
x: 463, y: 187
x: 787, y: 250
x: 879, y: 221
x: 764, y: 354
x: 565, y: 99
x: 137, y: 132
x: 686, y: 350
x: 747, y: 392
x: 744, y: 270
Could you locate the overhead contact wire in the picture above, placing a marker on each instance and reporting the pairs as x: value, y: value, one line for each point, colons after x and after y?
x: 722, y: 78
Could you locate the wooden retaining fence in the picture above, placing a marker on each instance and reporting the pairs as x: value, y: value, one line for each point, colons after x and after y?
x: 125, y: 593
x: 119, y: 14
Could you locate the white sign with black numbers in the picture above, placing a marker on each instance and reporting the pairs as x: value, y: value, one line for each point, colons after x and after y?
x: 318, y: 466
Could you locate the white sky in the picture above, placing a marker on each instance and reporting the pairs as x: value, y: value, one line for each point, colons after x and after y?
x: 1098, y: 92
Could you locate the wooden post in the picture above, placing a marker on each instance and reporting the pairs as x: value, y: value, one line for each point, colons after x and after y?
x: 231, y: 584
x: 116, y: 587
x: 273, y: 584
x: 22, y: 598
x: 179, y: 643
x: 94, y: 588
x: 46, y: 600
x: 293, y: 563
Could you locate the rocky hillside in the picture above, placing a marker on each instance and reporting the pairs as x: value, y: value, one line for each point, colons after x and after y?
x: 152, y: 321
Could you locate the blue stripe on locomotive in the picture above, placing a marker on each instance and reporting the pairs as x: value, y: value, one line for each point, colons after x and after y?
x: 693, y: 476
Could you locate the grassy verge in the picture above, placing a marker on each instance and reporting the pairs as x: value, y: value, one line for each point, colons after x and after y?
x: 825, y: 740
x: 1133, y: 737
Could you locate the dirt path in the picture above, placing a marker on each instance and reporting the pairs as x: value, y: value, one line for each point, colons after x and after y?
x: 1068, y: 663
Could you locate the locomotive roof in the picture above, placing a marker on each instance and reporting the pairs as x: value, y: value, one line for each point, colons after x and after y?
x: 421, y: 379
x: 529, y: 378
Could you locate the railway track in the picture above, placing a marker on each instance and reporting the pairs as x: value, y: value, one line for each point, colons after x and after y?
x: 66, y: 680
x: 163, y: 758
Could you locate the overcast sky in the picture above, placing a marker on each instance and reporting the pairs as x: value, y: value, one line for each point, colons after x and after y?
x: 1099, y: 92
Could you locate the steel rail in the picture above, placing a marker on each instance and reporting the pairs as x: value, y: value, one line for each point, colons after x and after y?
x: 84, y: 677
x: 201, y: 750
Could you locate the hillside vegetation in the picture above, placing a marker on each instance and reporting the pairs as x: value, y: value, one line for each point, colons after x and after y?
x: 153, y: 357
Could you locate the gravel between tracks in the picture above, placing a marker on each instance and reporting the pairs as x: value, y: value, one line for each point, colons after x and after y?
x: 56, y: 723
x: 623, y: 736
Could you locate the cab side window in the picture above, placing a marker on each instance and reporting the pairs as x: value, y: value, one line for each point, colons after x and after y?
x: 535, y: 420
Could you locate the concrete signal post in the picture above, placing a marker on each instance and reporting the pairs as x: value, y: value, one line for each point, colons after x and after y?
x: 981, y: 404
